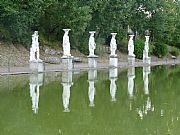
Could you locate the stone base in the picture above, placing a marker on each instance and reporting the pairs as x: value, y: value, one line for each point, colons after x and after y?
x: 147, y: 61
x: 67, y: 57
x: 67, y: 63
x: 37, y: 66
x: 113, y: 56
x: 113, y: 62
x: 92, y: 56
x: 113, y: 72
x: 131, y: 60
x: 92, y: 62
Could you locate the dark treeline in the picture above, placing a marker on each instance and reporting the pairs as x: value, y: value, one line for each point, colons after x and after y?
x: 19, y: 18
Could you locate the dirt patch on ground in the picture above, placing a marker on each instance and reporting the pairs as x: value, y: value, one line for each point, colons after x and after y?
x: 18, y: 56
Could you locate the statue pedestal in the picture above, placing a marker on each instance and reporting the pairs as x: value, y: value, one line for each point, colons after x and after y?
x: 37, y: 66
x: 113, y: 61
x: 67, y: 62
x: 147, y: 60
x: 92, y: 61
x: 131, y: 60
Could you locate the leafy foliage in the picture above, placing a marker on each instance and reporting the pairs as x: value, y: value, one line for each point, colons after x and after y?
x: 160, y: 50
x: 138, y: 49
x: 19, y: 18
x: 175, y: 51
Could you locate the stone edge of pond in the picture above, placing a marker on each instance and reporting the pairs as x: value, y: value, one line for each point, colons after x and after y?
x: 85, y: 68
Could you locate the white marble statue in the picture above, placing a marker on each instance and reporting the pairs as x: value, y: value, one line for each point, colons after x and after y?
x: 66, y: 43
x: 66, y: 96
x: 113, y: 45
x: 91, y: 93
x: 131, y: 46
x: 146, y: 48
x: 92, y: 44
x: 113, y: 89
x: 34, y: 50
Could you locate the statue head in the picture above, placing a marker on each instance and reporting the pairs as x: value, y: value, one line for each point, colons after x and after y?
x: 92, y: 33
x: 147, y: 33
x: 113, y: 34
x: 147, y: 38
x: 66, y: 31
x: 131, y: 36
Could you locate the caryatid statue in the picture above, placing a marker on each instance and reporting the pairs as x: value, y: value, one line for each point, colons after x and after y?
x: 34, y: 50
x: 146, y: 47
x: 66, y: 43
x: 131, y: 46
x: 92, y: 44
x: 113, y: 45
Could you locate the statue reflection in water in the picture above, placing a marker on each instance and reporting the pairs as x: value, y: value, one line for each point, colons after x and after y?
x: 131, y: 76
x: 147, y: 106
x: 36, y: 80
x: 146, y: 72
x: 66, y: 83
x: 92, y: 77
x: 113, y: 75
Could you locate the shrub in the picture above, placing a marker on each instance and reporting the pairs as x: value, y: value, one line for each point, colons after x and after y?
x: 4, y: 34
x: 138, y: 48
x: 83, y: 47
x: 151, y: 48
x: 174, y: 51
x: 123, y: 45
x: 160, y: 50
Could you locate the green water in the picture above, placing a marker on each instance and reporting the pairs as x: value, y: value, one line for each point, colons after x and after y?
x: 154, y: 111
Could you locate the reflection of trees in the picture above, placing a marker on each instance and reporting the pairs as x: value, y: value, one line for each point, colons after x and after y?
x: 106, y: 117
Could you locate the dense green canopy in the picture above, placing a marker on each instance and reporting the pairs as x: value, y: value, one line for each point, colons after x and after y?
x: 19, y: 18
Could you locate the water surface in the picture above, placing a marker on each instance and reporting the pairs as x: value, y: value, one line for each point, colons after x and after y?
x: 141, y: 101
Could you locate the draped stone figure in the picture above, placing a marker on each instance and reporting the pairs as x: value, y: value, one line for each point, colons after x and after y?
x: 34, y: 50
x: 92, y: 44
x: 131, y: 46
x: 113, y: 45
x: 146, y: 47
x: 66, y: 43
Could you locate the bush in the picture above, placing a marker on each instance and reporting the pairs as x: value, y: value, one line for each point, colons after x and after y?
x: 138, y: 48
x: 83, y: 47
x: 174, y: 51
x: 4, y: 34
x: 160, y: 50
x: 123, y: 45
x: 151, y: 48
